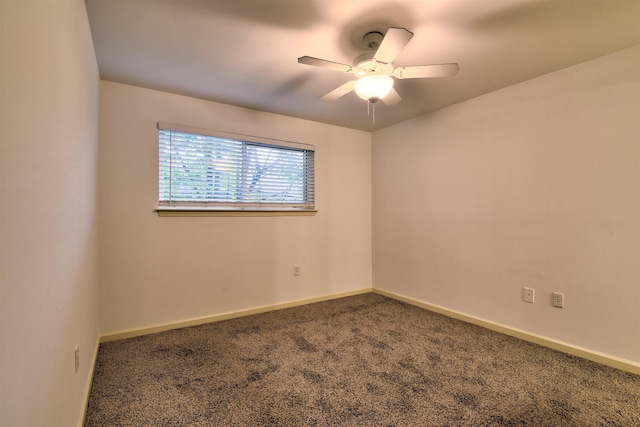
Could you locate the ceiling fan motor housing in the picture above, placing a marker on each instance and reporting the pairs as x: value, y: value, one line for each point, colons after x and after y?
x: 366, y: 65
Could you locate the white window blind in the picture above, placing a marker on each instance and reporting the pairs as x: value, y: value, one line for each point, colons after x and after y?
x: 215, y: 170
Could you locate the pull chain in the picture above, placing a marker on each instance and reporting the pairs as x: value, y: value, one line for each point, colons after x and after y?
x: 371, y: 110
x: 374, y: 113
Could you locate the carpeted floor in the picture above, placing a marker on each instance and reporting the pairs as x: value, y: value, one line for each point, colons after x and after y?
x: 364, y: 360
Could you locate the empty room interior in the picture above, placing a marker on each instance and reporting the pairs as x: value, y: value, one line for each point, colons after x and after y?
x: 495, y: 182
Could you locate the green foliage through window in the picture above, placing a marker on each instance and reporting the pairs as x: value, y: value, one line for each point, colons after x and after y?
x: 226, y: 172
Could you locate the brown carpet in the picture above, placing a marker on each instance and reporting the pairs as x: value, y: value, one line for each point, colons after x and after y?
x: 365, y: 360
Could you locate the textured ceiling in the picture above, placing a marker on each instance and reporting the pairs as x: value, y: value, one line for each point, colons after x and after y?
x: 244, y: 52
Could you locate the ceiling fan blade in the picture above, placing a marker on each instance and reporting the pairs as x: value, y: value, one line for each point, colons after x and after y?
x: 391, y: 98
x: 392, y: 44
x: 339, y: 91
x: 425, y: 71
x: 323, y: 63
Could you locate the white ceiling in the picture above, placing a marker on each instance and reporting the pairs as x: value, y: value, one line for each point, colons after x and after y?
x: 244, y: 52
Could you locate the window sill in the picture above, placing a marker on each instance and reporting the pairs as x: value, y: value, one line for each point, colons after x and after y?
x: 199, y: 212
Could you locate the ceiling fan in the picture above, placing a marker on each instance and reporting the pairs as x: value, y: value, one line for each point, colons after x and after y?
x: 375, y: 69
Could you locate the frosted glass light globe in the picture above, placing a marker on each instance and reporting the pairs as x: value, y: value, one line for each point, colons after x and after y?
x: 373, y: 88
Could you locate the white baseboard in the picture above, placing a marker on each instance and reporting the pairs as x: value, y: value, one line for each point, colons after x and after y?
x: 605, y: 359
x: 130, y: 333
x: 89, y: 380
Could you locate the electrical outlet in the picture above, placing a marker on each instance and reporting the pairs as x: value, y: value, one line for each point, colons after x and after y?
x: 558, y: 299
x: 77, y: 356
x: 296, y: 270
x: 529, y: 295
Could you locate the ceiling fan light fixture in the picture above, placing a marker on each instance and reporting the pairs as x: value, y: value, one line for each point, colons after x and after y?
x: 373, y: 88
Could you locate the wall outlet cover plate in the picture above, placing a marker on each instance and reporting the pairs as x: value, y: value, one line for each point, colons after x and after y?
x: 529, y: 295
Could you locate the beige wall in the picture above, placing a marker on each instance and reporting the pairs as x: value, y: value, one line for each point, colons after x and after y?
x: 48, y: 226
x: 534, y: 185
x: 159, y: 270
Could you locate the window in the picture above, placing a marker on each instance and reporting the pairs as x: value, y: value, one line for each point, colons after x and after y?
x: 205, y: 170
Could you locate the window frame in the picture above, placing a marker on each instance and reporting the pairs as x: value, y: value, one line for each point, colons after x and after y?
x: 242, y: 208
